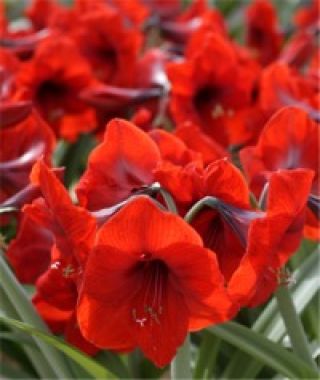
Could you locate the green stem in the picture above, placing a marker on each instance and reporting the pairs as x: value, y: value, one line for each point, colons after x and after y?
x: 171, y: 206
x: 293, y: 325
x: 197, y: 207
x: 181, y: 364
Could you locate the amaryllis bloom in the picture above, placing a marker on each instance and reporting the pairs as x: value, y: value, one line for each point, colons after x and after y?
x: 252, y: 245
x: 129, y: 160
x: 290, y: 140
x: 158, y: 284
x: 21, y: 146
x: 148, y: 90
x: 54, y: 81
x: 208, y: 94
x: 263, y: 31
x: 109, y: 43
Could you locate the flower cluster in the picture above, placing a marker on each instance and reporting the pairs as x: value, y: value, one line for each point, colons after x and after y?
x: 203, y: 180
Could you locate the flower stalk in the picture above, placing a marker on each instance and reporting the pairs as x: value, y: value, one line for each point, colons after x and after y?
x: 181, y: 364
x: 293, y: 325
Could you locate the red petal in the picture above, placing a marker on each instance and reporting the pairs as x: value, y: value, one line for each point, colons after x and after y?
x: 289, y: 200
x: 226, y: 182
x: 73, y: 226
x: 29, y: 252
x: 194, y: 272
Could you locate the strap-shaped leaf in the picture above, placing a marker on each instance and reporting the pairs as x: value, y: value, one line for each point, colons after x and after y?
x: 94, y: 369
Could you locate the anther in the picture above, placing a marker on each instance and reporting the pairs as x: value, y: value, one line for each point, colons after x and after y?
x: 218, y: 111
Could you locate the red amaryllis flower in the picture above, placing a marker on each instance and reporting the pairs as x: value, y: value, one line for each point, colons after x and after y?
x: 208, y: 94
x: 288, y: 141
x: 109, y: 44
x: 263, y: 34
x: 251, y: 245
x: 54, y: 82
x: 118, y: 167
x: 149, y: 89
x: 21, y: 146
x: 223, y: 181
x: 155, y: 272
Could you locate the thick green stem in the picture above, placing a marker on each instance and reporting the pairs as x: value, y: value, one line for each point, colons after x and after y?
x: 181, y: 364
x: 197, y: 207
x: 293, y: 325
x: 169, y: 200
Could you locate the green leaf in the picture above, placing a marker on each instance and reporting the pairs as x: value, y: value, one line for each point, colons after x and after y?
x: 39, y: 362
x: 263, y: 350
x: 17, y: 337
x: 294, y: 327
x: 96, y: 370
x: 207, y: 356
x: 114, y: 363
x: 25, y: 311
